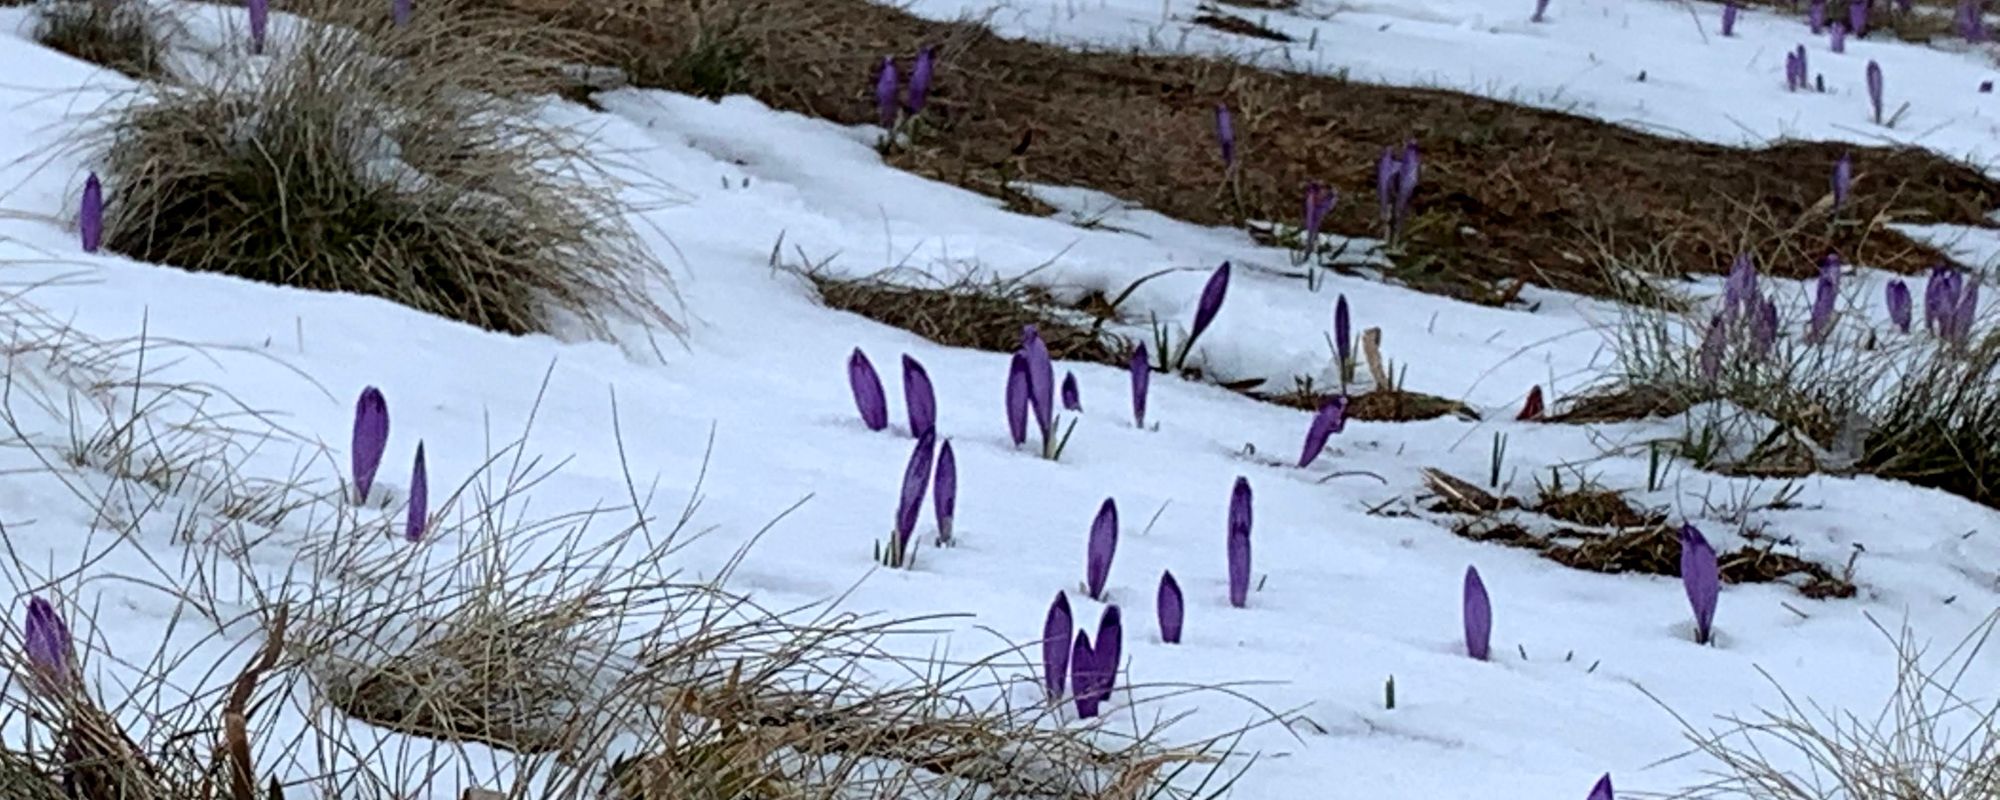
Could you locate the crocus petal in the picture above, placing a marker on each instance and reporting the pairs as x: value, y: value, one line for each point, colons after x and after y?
x: 371, y: 439
x: 1017, y: 399
x: 885, y: 92
x: 1211, y: 301
x: 260, y: 19
x: 916, y: 479
x: 867, y: 388
x: 1899, y: 304
x: 1142, y: 378
x: 90, y: 215
x: 1874, y: 75
x: 46, y: 641
x: 1056, y: 646
x: 920, y: 79
x: 1701, y: 576
x: 1343, y: 333
x: 1108, y: 650
x: 1225, y: 134
x: 1103, y: 546
x: 1843, y: 177
x: 919, y: 397
x: 420, y: 499
x: 1330, y: 419
x: 1071, y: 400
x: 1478, y: 616
x: 945, y: 491
x: 1729, y: 20
x: 1602, y: 791
x: 1041, y: 379
x: 1173, y: 608
x: 1083, y: 676
x: 1239, y: 543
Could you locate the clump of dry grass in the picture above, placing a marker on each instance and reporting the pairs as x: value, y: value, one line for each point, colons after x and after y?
x: 1930, y: 741
x: 1940, y: 424
x: 982, y: 313
x: 407, y: 163
x: 124, y: 35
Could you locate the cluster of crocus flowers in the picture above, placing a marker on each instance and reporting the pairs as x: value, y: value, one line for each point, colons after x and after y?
x: 1797, y: 75
x: 1031, y: 389
x: 892, y: 103
x: 1396, y: 175
x: 1087, y: 672
x: 1951, y: 303
x: 1746, y: 318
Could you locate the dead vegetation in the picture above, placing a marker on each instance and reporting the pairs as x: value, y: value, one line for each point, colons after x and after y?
x: 124, y: 35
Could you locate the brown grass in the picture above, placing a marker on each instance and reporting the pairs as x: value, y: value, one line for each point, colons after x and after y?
x: 124, y: 35
x: 1509, y: 192
x: 981, y: 314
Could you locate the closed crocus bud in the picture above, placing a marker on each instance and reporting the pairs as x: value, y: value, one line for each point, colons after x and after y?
x: 1331, y: 419
x: 1212, y: 294
x: 885, y: 93
x: 1729, y: 19
x: 1386, y: 170
x: 371, y: 439
x: 1541, y: 7
x: 867, y: 388
x: 1225, y: 135
x: 1083, y: 669
x: 1239, y: 543
x: 90, y: 214
x: 1172, y: 607
x: 1017, y: 398
x: 1478, y: 613
x: 1837, y: 37
x: 260, y: 21
x: 1343, y: 334
x: 420, y: 499
x: 46, y: 641
x: 1071, y: 399
x: 945, y: 491
x: 1857, y: 17
x: 1602, y: 791
x: 1816, y: 16
x: 1103, y: 547
x: 916, y: 479
x: 920, y: 80
x: 1142, y: 379
x: 919, y: 397
x: 1041, y: 379
x: 1875, y: 90
x: 1056, y: 646
x: 1899, y: 304
x: 1701, y: 576
x: 1843, y: 179
x: 1108, y: 650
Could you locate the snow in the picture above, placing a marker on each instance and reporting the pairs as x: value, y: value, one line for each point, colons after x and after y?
x: 1346, y: 598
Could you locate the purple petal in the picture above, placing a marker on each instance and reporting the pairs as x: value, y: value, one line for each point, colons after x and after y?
x: 1330, y: 419
x: 1701, y: 576
x: 1602, y: 791
x: 1071, y: 400
x: 90, y: 217
x: 1211, y: 302
x: 371, y: 439
x: 1857, y: 17
x: 885, y: 93
x: 1709, y: 357
x: 1239, y: 543
x: 1173, y: 608
x: 1103, y: 546
x: 1729, y: 20
x: 420, y: 499
x: 1816, y: 16
x: 867, y: 388
x: 1083, y: 676
x: 916, y: 478
x: 1478, y: 616
x: 1342, y: 333
x: 1041, y: 379
x: 1109, y: 649
x: 920, y: 79
x: 1056, y: 646
x: 1386, y: 170
x: 945, y: 490
x: 260, y: 20
x: 1225, y: 134
x: 1843, y: 178
x: 1017, y: 399
x: 47, y: 642
x: 1899, y: 304
x: 919, y: 397
x: 1875, y: 89
x: 1142, y: 378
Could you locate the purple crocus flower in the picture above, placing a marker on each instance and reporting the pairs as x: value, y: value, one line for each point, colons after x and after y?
x: 1940, y: 298
x: 1816, y: 16
x: 1739, y: 292
x: 1071, y: 399
x: 1319, y: 200
x: 1343, y: 335
x: 1541, y: 7
x: 1406, y: 179
x: 1041, y: 379
x: 420, y: 499
x: 1225, y: 135
x: 47, y: 643
x: 260, y: 21
x: 1971, y: 21
x: 1857, y: 17
x: 1843, y: 179
x: 1794, y: 74
x: 1142, y: 379
x: 1964, y: 312
x: 1837, y: 36
x: 1729, y: 19
x: 1804, y: 72
x: 1239, y: 543
x: 1386, y: 171
x: 945, y: 491
x: 1055, y: 646
x: 1602, y: 791
x: 1083, y: 668
x: 1701, y: 576
x: 867, y: 389
x: 1206, y: 309
x: 1103, y: 546
x: 1875, y: 89
x: 920, y: 80
x: 1826, y: 296
x: 916, y: 479
x: 1899, y: 304
x: 1764, y: 329
x: 1173, y: 608
x: 1708, y: 358
x: 371, y: 439
x: 885, y: 93
x: 1017, y: 398
x: 90, y: 216
x: 1329, y: 420
x: 399, y: 13
x: 919, y: 397
x: 1108, y: 650
x: 1478, y: 610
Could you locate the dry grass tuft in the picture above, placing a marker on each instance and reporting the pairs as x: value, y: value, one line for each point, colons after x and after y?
x: 972, y: 312
x: 124, y: 35
x: 1940, y: 425
x: 410, y: 164
x: 1930, y: 741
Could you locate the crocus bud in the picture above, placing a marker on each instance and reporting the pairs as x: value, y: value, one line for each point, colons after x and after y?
x: 920, y: 80
x: 90, y: 216
x: 1701, y: 576
x: 867, y: 388
x: 371, y: 439
x: 885, y: 93
x: 420, y: 499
